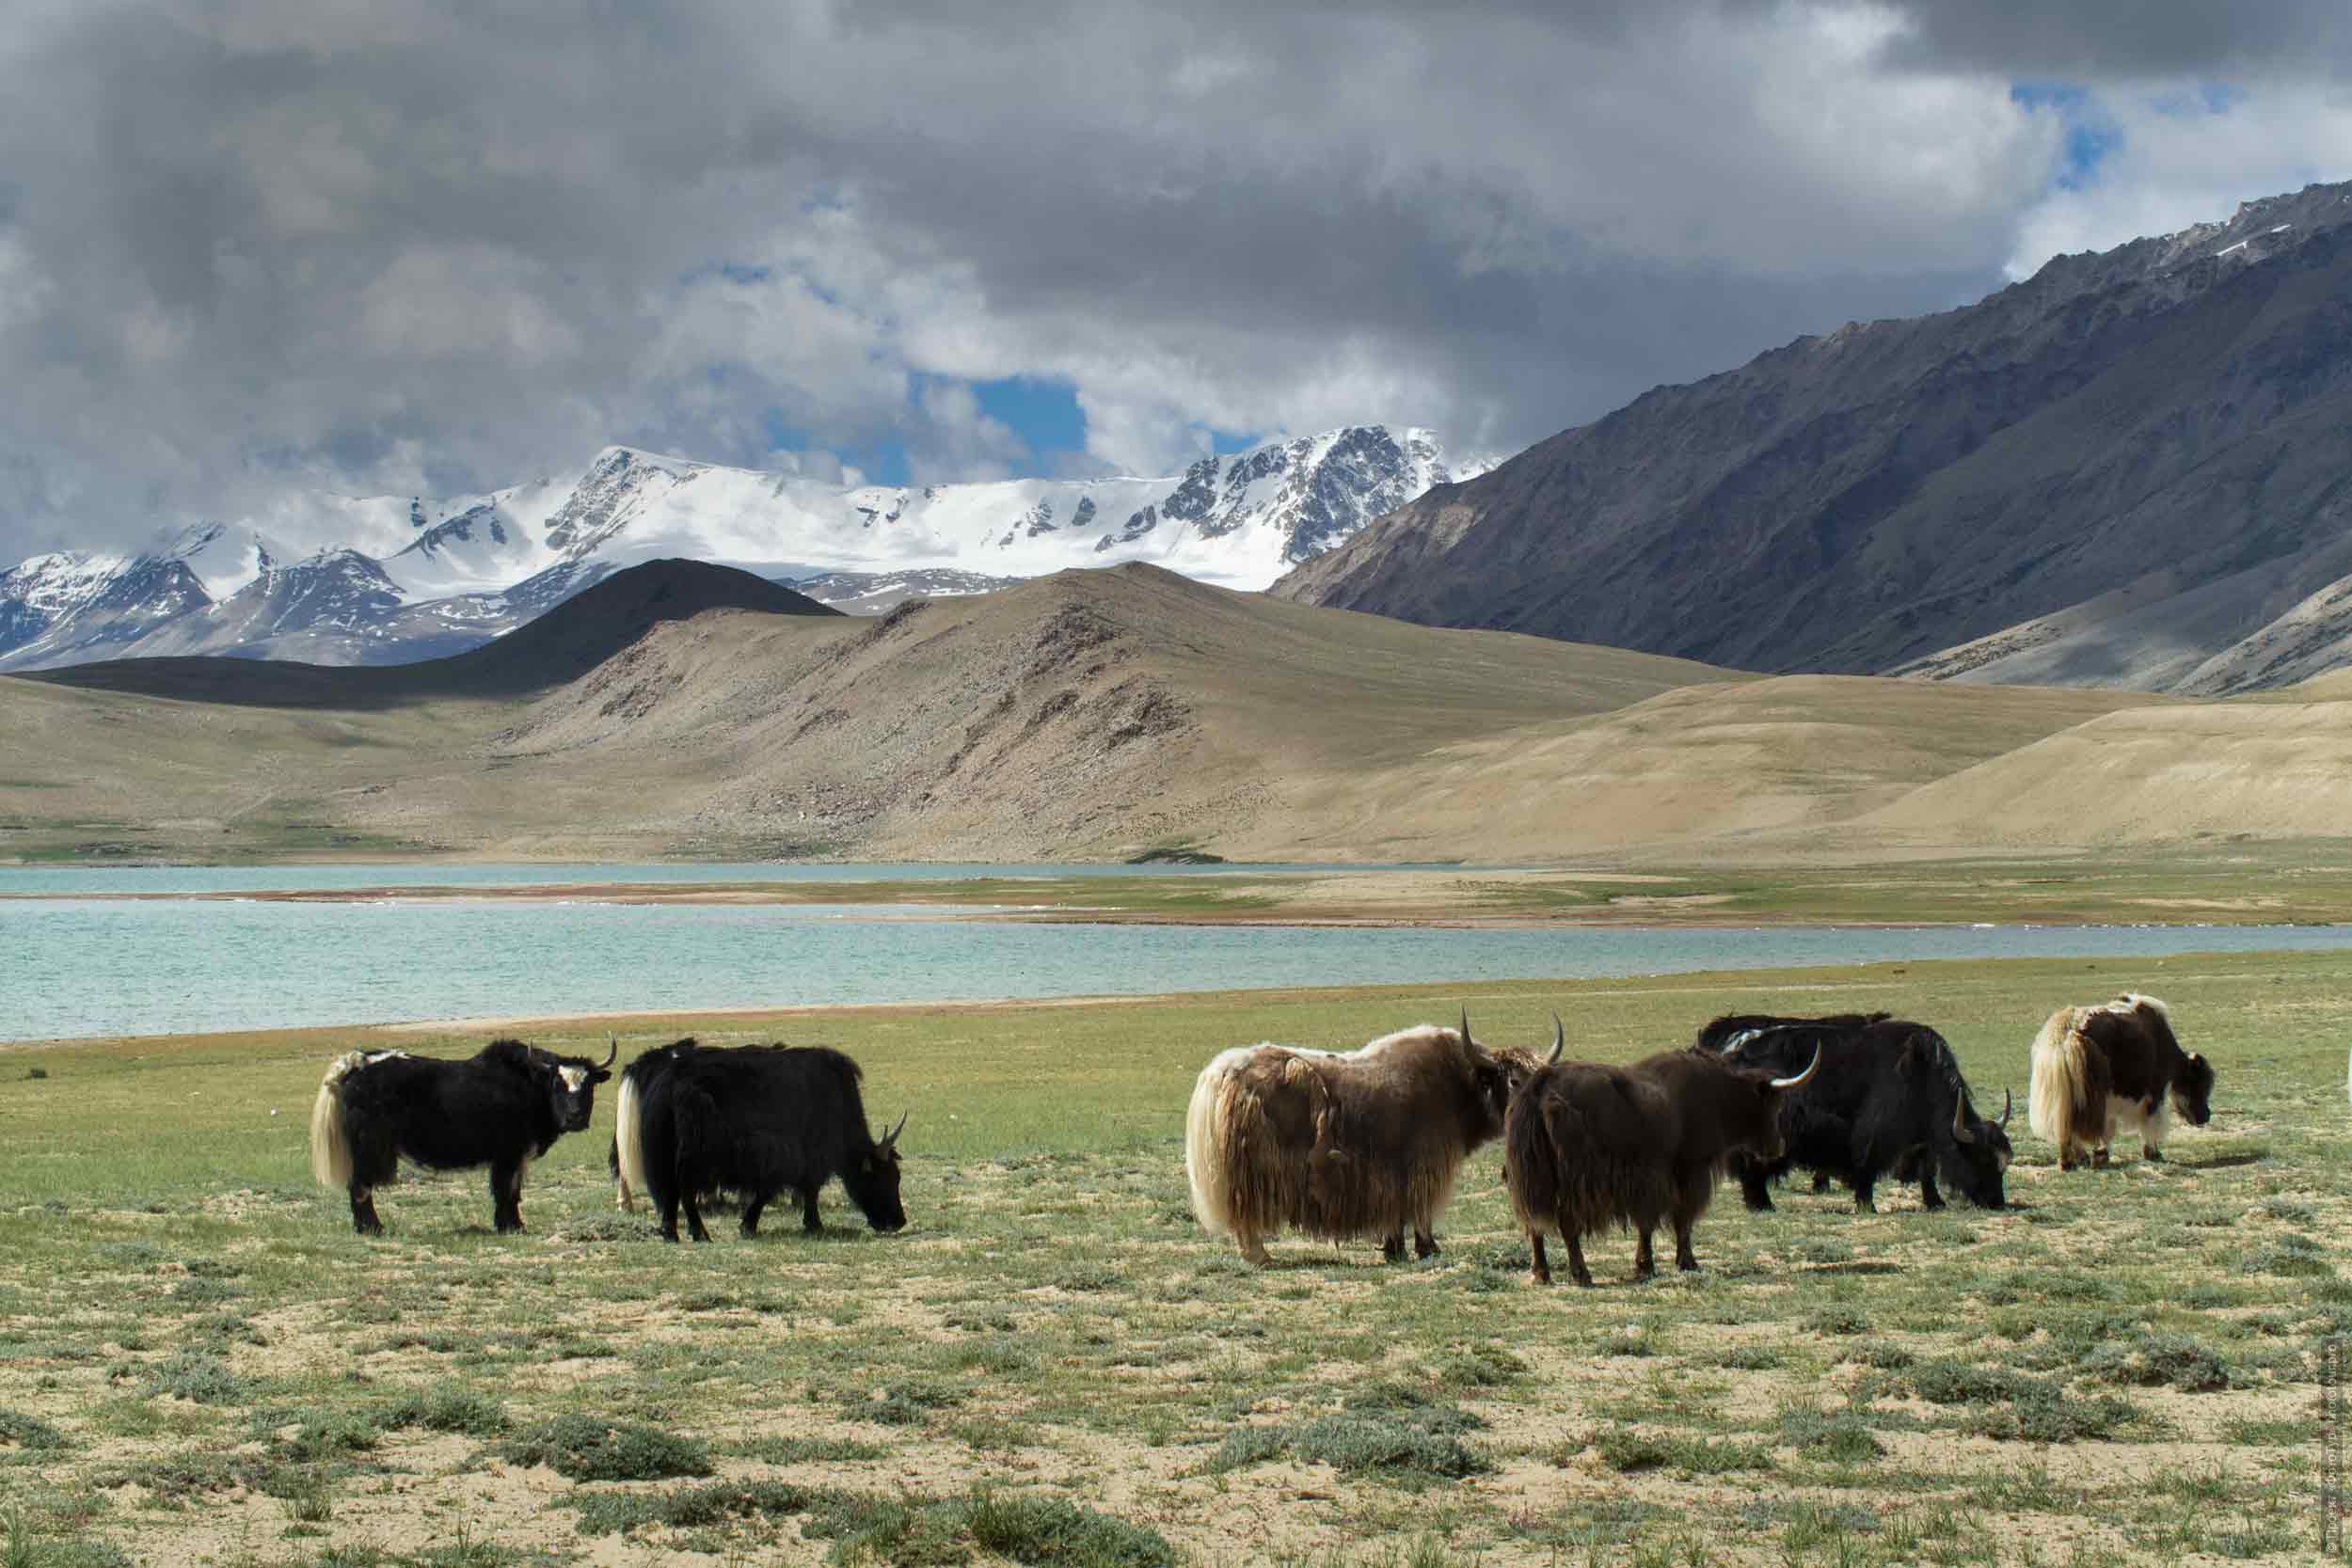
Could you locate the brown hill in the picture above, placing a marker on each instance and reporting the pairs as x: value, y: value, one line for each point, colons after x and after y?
x: 1090, y: 714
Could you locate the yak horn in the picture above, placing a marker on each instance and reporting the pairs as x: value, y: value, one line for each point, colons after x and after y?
x: 1959, y: 1122
x: 2007, y: 1104
x: 613, y: 1054
x: 1466, y: 1034
x: 893, y: 1136
x: 1802, y: 1079
x: 1559, y: 1039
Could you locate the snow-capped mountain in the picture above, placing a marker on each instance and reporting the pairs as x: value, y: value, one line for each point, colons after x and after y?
x: 383, y: 580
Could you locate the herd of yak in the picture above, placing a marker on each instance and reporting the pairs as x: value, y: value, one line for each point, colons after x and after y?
x: 1333, y: 1145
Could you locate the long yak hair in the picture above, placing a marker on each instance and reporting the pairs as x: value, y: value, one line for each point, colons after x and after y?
x: 1339, y: 1145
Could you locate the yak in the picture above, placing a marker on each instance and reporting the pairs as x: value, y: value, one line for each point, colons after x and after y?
x: 503, y: 1107
x: 1589, y: 1147
x: 755, y: 1121
x: 1890, y: 1098
x: 2115, y: 1065
x: 1341, y: 1145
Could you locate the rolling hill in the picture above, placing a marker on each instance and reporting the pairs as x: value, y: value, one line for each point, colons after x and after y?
x: 1093, y: 715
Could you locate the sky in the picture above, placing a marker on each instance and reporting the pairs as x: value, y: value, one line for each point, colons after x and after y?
x: 435, y: 246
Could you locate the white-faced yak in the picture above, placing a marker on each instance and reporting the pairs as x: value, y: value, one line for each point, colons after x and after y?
x: 1588, y: 1147
x: 2114, y: 1065
x: 1339, y: 1145
x: 750, y: 1121
x: 503, y: 1107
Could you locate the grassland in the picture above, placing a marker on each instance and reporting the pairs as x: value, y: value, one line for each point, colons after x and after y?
x: 200, y: 1362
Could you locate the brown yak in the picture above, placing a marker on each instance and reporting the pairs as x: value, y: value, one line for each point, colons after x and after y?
x: 2113, y: 1065
x: 1588, y: 1147
x: 1338, y: 1144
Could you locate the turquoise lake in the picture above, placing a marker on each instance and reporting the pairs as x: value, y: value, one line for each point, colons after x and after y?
x: 72, y: 966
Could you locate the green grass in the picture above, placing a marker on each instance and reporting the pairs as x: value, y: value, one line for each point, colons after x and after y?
x: 1055, y: 1365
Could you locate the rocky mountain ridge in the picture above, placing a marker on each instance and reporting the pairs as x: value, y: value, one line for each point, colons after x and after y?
x: 2129, y: 469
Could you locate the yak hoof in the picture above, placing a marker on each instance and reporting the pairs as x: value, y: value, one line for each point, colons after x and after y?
x: 1425, y: 1249
x: 1584, y: 1277
x: 2155, y: 1154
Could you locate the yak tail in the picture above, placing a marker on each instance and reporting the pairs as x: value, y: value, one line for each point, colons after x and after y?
x: 2059, y: 1076
x: 1208, y: 1150
x: 628, y: 1141
x: 330, y: 1145
x: 1531, y: 1166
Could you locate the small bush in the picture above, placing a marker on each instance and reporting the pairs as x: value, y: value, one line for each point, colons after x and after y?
x: 899, y: 1405
x: 1749, y: 1358
x: 1041, y: 1529
x: 2290, y: 1255
x: 1480, y: 1366
x: 1245, y: 1446
x: 2045, y: 1413
x: 199, y: 1376
x: 1956, y: 1382
x: 690, y: 1508
x: 35, y: 1074
x: 448, y: 1407
x: 1841, y: 1435
x: 29, y: 1432
x: 2160, y: 1360
x: 584, y: 1448
x: 1354, y: 1445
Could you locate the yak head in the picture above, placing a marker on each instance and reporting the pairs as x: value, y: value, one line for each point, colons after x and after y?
x: 872, y: 1182
x: 1502, y: 1071
x: 2192, y: 1091
x: 1752, y: 1121
x: 571, y: 1084
x: 1974, y: 1156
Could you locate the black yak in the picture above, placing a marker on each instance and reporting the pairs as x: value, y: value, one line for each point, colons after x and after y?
x: 754, y: 1121
x: 503, y: 1107
x: 1889, y: 1098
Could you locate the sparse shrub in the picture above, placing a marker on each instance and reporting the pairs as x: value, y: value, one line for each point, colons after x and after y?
x: 2159, y: 1360
x: 199, y: 1376
x: 1839, y: 1320
x: 1480, y: 1366
x: 691, y: 1508
x: 2291, y: 1255
x: 1358, y: 1444
x: 1958, y: 1382
x: 448, y: 1407
x: 35, y: 1074
x: 1749, y: 1358
x: 584, y: 1448
x: 29, y: 1432
x: 1245, y: 1446
x: 1840, y: 1435
x: 2045, y: 1413
x: 899, y: 1405
x: 1050, y: 1531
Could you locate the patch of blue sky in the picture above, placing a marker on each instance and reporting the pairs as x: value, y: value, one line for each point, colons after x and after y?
x: 2092, y: 133
x: 882, y: 461
x: 1042, y: 411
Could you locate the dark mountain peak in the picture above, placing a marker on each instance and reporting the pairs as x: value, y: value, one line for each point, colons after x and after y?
x: 1866, y: 499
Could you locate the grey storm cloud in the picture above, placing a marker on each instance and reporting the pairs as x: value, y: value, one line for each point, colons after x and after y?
x: 255, y: 246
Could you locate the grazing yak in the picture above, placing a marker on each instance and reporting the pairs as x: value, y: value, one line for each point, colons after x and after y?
x: 1341, y: 1145
x: 1889, y: 1098
x: 503, y: 1107
x: 1588, y: 1147
x: 2112, y: 1065
x: 754, y: 1121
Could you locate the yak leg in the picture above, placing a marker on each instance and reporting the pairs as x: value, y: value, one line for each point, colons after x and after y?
x: 1576, y: 1259
x: 668, y: 1204
x: 1425, y: 1244
x: 1930, y: 1198
x: 506, y: 1194
x: 1645, y: 1265
x: 1689, y: 1203
x: 1865, y: 1193
x: 750, y: 1225
x: 363, y: 1218
x: 695, y: 1226
x: 1392, y: 1246
x: 1821, y: 1181
x: 1541, y: 1268
x: 2098, y: 1158
x: 1756, y: 1193
x: 1252, y: 1248
x: 809, y: 1222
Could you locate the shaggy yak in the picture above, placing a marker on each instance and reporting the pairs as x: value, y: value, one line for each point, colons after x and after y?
x: 1339, y: 1145
x: 1588, y: 1147
x: 503, y: 1107
x: 2114, y: 1065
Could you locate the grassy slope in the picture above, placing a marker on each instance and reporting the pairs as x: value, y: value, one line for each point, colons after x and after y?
x: 201, y: 1358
